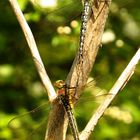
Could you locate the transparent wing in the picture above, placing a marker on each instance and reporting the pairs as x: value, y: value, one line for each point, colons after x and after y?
x: 31, y: 124
x: 89, y: 101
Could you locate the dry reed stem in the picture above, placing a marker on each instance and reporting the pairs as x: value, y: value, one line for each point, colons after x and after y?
x: 34, y: 51
x: 119, y: 84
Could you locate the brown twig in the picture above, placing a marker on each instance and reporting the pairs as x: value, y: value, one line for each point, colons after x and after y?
x: 34, y: 51
x: 120, y: 83
x: 95, y: 30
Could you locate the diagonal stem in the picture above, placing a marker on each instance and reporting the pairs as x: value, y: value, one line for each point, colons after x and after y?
x: 34, y: 51
x: 120, y: 83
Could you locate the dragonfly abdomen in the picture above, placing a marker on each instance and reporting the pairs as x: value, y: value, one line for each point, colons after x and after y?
x: 85, y: 17
x: 73, y: 124
x: 72, y: 121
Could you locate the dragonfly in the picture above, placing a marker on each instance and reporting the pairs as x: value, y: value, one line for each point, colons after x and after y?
x: 65, y: 97
x: 38, y: 121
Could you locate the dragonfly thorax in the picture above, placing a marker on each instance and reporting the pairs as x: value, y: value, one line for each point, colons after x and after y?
x: 61, y: 91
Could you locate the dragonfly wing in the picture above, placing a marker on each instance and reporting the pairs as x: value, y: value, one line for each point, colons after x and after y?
x: 29, y: 124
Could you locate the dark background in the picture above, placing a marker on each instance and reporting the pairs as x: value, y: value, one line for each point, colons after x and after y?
x: 21, y: 89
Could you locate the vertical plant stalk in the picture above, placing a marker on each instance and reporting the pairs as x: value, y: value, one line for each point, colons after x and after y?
x: 119, y: 85
x: 57, y: 123
x: 95, y: 28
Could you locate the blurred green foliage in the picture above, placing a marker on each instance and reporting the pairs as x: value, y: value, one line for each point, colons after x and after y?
x: 57, y: 40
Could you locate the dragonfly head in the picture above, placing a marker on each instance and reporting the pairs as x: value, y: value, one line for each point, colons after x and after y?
x: 59, y: 84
